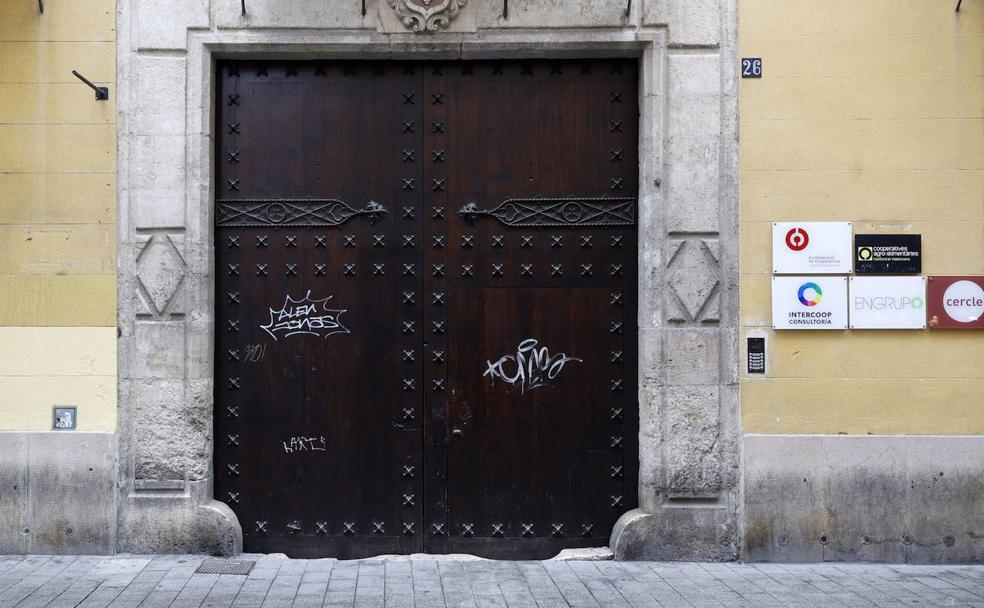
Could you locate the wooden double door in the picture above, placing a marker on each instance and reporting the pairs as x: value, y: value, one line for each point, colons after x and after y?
x: 426, y: 305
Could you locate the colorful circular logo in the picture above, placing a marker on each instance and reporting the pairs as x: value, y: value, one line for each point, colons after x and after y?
x: 809, y: 299
x: 797, y: 239
x: 865, y: 254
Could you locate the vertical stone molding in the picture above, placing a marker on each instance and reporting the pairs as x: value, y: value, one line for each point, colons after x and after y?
x: 688, y: 367
x: 693, y: 141
x: 687, y: 257
x: 165, y: 409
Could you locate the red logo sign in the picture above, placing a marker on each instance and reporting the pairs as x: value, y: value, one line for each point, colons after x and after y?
x: 797, y: 239
x: 956, y: 302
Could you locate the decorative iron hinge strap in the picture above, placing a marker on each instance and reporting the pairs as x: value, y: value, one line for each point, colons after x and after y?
x: 292, y: 212
x: 564, y: 211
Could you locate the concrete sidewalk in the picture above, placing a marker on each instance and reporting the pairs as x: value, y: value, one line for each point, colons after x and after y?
x: 129, y: 581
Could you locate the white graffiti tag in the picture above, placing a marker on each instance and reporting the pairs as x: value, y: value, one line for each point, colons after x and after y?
x: 305, y: 316
x: 305, y: 444
x: 534, y: 366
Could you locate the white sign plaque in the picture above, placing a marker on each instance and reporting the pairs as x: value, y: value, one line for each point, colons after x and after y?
x: 888, y: 302
x: 809, y: 302
x: 811, y: 248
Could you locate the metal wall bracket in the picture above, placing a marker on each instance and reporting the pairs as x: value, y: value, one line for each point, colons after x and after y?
x: 242, y: 7
x: 628, y: 8
x: 959, y: 2
x: 41, y: 6
x: 102, y: 93
x: 505, y: 9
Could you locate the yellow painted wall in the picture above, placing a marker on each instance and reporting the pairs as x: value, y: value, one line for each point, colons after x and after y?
x: 57, y: 214
x: 49, y: 366
x: 873, y: 112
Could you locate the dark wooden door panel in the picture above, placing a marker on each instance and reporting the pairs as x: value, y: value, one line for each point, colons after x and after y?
x: 541, y: 266
x: 310, y: 294
x: 369, y: 332
x: 532, y: 403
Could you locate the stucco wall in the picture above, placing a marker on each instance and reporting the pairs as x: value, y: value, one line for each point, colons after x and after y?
x: 57, y: 276
x: 871, y: 112
x: 57, y: 215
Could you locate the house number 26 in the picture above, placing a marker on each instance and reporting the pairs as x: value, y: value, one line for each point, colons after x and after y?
x: 751, y: 67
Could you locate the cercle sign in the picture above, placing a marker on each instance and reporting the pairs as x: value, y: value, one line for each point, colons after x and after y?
x: 956, y: 302
x: 427, y: 15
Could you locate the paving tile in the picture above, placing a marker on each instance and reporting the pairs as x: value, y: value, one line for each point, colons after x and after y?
x: 224, y: 592
x: 75, y: 593
x: 132, y: 596
x: 15, y: 593
x: 169, y: 581
x: 101, y: 597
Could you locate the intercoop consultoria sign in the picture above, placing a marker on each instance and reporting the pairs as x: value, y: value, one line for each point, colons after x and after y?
x: 809, y: 302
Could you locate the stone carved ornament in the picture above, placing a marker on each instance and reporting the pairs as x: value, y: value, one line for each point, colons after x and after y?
x: 427, y: 15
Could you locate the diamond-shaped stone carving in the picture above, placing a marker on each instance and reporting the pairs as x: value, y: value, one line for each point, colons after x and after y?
x: 160, y: 270
x: 712, y: 310
x: 674, y: 310
x: 712, y: 247
x: 693, y: 280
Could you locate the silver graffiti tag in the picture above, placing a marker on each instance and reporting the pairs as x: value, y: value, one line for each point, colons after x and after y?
x: 533, y: 366
x: 305, y: 316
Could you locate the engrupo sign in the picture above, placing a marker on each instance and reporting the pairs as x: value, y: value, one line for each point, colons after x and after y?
x: 811, y: 248
x: 888, y: 302
x: 956, y: 302
x: 809, y: 302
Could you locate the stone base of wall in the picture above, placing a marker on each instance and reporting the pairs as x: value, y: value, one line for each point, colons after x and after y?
x: 178, y: 517
x: 677, y: 533
x: 916, y: 499
x: 57, y: 493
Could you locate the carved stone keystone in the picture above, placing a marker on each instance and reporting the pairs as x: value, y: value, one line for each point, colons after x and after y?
x: 427, y: 15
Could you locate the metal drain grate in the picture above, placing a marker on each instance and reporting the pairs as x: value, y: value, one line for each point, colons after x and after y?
x: 225, y: 566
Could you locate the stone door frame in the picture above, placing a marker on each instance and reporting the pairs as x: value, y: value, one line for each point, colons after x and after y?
x: 688, y: 278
